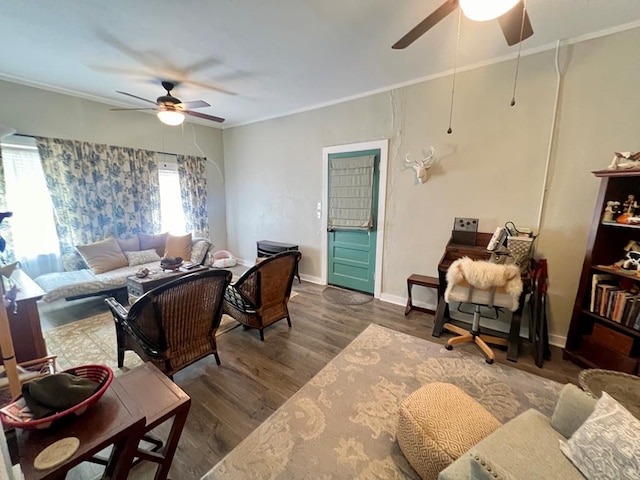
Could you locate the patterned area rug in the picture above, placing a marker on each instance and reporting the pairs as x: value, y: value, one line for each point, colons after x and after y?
x: 93, y: 340
x: 341, y: 424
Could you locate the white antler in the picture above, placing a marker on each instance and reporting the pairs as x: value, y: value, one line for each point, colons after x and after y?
x: 421, y: 166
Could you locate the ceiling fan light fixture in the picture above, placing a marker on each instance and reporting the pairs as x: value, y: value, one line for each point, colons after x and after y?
x: 484, y: 10
x: 171, y: 117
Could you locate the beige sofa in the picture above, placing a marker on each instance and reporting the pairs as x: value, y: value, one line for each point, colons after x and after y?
x: 529, y: 445
x: 112, y: 261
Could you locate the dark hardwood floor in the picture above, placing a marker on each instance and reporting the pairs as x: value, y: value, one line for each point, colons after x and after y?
x: 256, y: 377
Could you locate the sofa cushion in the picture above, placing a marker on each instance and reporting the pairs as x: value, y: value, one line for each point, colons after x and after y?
x: 199, y: 249
x: 178, y: 246
x: 607, y: 445
x: 572, y: 409
x: 142, y: 256
x: 131, y: 244
x: 437, y: 424
x: 156, y: 241
x: 525, y: 447
x: 103, y: 256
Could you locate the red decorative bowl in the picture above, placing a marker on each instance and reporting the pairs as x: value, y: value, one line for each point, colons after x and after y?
x: 98, y: 373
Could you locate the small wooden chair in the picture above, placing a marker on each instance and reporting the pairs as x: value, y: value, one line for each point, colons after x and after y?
x: 481, y: 283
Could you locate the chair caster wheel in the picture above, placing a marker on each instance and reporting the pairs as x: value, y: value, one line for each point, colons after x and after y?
x: 489, y: 361
x: 449, y: 347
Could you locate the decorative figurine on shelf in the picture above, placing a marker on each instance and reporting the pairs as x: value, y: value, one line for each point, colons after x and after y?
x: 611, y: 211
x: 624, y: 160
x: 628, y: 209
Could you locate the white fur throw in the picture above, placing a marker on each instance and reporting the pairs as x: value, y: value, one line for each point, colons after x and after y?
x: 485, y: 275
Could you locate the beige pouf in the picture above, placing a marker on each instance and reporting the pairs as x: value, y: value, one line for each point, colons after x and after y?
x: 437, y: 424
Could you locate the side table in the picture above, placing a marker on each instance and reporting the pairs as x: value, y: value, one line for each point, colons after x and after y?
x: 625, y: 388
x: 423, y: 281
x: 113, y: 420
x: 267, y: 248
x: 160, y: 400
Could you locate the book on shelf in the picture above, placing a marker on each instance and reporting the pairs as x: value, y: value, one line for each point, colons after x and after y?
x: 630, y: 318
x: 596, y: 279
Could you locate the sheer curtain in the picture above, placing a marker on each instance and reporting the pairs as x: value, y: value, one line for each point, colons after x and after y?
x: 35, y: 242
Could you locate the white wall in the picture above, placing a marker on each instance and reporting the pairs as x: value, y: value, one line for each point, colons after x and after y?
x: 33, y: 111
x: 491, y: 167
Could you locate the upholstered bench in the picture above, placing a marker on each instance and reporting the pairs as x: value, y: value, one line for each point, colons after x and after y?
x: 437, y: 424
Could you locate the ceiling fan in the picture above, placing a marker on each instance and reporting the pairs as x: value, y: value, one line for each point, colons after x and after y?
x: 171, y: 110
x: 511, y: 14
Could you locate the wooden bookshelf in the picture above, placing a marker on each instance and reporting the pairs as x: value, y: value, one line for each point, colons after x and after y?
x: 593, y: 340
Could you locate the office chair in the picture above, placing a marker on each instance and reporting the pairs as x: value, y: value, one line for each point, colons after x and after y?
x: 481, y: 283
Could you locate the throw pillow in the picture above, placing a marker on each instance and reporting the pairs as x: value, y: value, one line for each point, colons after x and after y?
x: 178, y: 246
x: 607, y: 445
x: 103, y: 256
x: 199, y: 249
x: 572, y: 409
x: 141, y: 257
x: 129, y: 244
x: 156, y: 241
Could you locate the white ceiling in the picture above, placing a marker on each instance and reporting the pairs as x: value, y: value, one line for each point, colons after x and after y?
x: 257, y: 59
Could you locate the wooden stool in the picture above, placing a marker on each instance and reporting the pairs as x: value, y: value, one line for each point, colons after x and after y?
x: 422, y: 281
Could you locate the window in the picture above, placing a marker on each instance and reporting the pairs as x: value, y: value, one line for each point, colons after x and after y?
x: 35, y: 241
x: 171, y: 213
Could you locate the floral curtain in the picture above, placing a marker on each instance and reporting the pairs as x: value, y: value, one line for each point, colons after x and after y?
x: 99, y: 191
x: 193, y: 185
x: 5, y: 231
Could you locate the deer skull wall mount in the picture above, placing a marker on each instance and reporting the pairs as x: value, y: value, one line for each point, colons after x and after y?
x: 422, y: 166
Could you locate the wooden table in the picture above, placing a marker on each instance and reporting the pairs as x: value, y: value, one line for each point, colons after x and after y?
x: 139, y: 286
x: 422, y: 281
x: 114, y: 420
x: 160, y: 400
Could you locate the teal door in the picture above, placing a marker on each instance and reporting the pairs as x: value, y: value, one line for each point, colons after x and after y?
x: 352, y: 250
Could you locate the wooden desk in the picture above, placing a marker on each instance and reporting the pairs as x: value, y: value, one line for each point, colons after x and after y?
x: 475, y: 252
x: 24, y: 319
x: 159, y: 399
x: 113, y: 420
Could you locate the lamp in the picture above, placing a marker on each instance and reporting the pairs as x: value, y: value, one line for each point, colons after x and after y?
x: 171, y: 117
x: 483, y: 10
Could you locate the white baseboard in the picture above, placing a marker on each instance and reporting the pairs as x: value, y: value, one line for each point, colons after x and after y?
x: 398, y: 300
x: 311, y: 279
x: 246, y: 263
x: 557, y: 340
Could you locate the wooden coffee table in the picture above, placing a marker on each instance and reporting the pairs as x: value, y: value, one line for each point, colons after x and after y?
x: 136, y: 287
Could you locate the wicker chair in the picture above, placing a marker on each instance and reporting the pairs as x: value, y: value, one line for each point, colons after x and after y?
x: 174, y: 324
x: 260, y: 296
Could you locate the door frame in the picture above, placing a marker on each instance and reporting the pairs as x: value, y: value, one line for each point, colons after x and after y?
x: 383, y: 146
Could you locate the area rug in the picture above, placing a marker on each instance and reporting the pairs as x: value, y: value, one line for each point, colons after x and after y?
x: 93, y: 340
x: 341, y: 296
x: 341, y: 424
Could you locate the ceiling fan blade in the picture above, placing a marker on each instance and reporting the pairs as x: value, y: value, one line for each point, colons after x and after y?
x: 512, y: 22
x: 193, y: 104
x: 135, y: 96
x: 202, y: 115
x: 442, y: 11
x: 144, y: 108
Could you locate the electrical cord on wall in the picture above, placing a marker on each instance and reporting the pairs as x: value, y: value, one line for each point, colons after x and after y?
x: 551, y: 138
